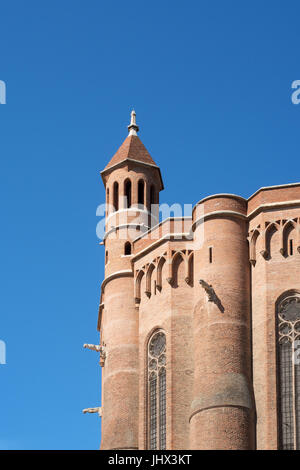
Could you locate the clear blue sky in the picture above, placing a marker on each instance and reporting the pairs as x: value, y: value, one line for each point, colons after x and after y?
x: 211, y: 85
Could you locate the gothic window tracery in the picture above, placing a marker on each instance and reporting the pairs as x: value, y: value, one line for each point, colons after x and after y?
x: 288, y: 316
x: 157, y: 391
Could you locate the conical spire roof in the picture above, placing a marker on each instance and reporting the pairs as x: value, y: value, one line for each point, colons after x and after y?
x: 132, y: 149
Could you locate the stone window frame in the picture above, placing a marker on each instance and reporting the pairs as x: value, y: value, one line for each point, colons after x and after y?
x: 288, y: 372
x: 156, y: 395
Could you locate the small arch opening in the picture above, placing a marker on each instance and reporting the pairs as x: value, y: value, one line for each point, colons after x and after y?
x: 141, y: 191
x: 127, y: 248
x: 116, y: 196
x: 271, y: 241
x: 178, y: 270
x: 107, y: 200
x: 127, y: 193
x: 106, y: 257
x: 288, y: 238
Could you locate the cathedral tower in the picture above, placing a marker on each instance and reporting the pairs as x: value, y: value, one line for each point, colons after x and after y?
x: 132, y: 182
x: 199, y: 316
x: 222, y: 410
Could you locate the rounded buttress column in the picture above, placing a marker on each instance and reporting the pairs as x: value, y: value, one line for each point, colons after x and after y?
x: 222, y: 414
x: 120, y: 373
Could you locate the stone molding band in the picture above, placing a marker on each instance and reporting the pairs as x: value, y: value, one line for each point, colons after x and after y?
x: 230, y: 405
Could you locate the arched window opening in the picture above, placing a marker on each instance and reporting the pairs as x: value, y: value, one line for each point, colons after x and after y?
x: 159, y: 273
x: 162, y: 408
x: 138, y: 283
x: 106, y: 257
x: 152, y: 197
x: 288, y: 338
x: 127, y: 193
x: 116, y: 196
x: 288, y: 235
x: 127, y: 248
x: 271, y: 233
x: 141, y: 191
x: 157, y: 391
x: 178, y: 270
x: 150, y: 270
x: 107, y: 200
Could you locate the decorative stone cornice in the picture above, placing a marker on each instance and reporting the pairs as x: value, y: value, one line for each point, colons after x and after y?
x: 160, y: 241
x: 216, y: 214
x: 273, y: 205
x: 123, y: 273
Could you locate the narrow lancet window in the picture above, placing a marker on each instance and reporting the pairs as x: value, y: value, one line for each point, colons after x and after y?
x: 107, y: 201
x: 162, y: 408
x: 141, y: 187
x: 127, y: 249
x: 116, y: 196
x: 127, y: 191
x: 288, y: 316
x: 157, y: 391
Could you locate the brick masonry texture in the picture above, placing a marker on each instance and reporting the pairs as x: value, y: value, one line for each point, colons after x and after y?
x: 221, y: 371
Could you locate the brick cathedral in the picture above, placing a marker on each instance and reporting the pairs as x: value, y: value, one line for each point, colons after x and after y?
x: 199, y: 316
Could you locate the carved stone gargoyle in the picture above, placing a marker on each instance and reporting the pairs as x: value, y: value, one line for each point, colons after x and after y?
x: 102, y: 356
x: 92, y: 347
x: 98, y: 410
x: 212, y: 296
x: 209, y: 290
x: 99, y: 348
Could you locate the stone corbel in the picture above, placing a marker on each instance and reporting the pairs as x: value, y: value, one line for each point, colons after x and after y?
x: 264, y: 253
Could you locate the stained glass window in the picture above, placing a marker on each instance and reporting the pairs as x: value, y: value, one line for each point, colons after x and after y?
x: 157, y: 391
x: 289, y: 372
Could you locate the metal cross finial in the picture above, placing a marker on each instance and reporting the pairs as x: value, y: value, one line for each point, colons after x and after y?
x: 133, y: 128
